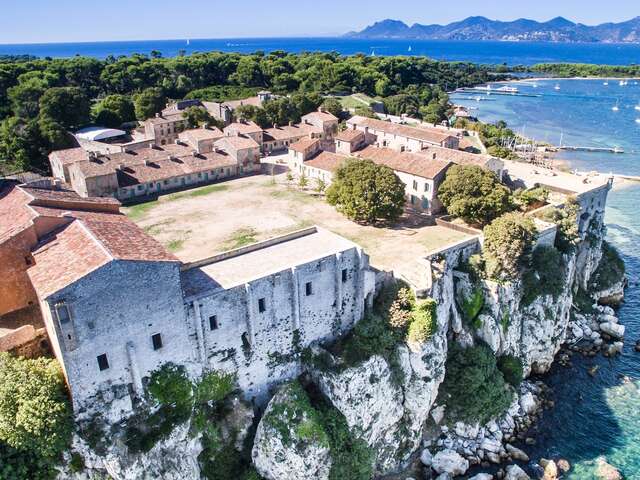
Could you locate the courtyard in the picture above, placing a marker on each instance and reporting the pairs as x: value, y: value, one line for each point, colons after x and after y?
x: 199, y: 223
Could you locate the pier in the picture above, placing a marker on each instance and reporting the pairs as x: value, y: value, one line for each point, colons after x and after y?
x: 574, y: 148
x: 496, y: 92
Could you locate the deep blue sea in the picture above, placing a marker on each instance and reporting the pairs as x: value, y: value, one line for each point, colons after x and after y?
x: 512, y: 53
x: 593, y: 416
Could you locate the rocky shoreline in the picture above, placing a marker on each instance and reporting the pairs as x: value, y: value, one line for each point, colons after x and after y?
x: 451, y: 451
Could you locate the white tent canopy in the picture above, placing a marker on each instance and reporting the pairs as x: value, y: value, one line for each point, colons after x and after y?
x: 99, y: 133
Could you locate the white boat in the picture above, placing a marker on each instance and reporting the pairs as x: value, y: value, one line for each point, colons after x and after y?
x: 188, y: 42
x: 622, y: 83
x: 409, y: 49
x: 637, y: 120
x: 637, y: 107
x: 605, y: 83
x: 615, y: 108
x: 507, y: 89
x: 557, y: 87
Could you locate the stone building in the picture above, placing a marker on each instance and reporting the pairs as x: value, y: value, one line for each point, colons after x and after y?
x: 278, y: 139
x: 116, y: 305
x: 245, y: 129
x: 165, y: 127
x: 325, y: 121
x: 401, y: 137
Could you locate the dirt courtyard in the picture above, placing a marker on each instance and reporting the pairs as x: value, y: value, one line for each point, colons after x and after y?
x: 199, y: 223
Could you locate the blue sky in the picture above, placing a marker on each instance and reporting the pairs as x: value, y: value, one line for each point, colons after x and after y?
x: 34, y: 21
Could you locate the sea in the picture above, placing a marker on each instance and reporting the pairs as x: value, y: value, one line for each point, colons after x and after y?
x: 593, y: 416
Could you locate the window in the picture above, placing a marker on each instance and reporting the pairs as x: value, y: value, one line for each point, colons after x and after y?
x: 308, y: 289
x: 103, y: 362
x: 28, y: 260
x: 63, y: 313
x: 261, y: 305
x: 426, y: 187
x: 415, y: 185
x: 245, y: 341
x: 344, y: 275
x: 213, y: 322
x: 157, y: 341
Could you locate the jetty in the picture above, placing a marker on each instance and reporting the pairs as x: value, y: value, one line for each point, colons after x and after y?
x: 495, y: 92
x: 575, y: 148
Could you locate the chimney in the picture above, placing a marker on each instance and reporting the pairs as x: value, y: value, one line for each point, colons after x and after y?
x: 147, y: 162
x: 290, y: 123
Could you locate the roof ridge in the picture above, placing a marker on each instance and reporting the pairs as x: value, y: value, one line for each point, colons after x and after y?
x: 93, y: 237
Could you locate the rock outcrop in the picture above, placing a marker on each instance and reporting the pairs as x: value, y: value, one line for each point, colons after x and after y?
x: 289, y: 443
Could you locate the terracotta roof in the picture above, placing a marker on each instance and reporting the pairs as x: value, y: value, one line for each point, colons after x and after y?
x: 237, y: 143
x: 328, y: 161
x: 287, y: 132
x: 243, y: 128
x: 90, y: 241
x: 167, y: 116
x: 233, y: 104
x: 199, y: 134
x: 322, y: 116
x: 426, y: 135
x: 459, y: 157
x: 303, y: 144
x: 350, y: 135
x: 15, y: 214
x: 411, y: 163
x: 69, y: 155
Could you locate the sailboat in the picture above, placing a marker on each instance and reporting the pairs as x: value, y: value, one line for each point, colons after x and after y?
x: 637, y: 107
x: 409, y: 49
x: 188, y: 42
x: 615, y: 108
x: 557, y: 87
x: 605, y: 83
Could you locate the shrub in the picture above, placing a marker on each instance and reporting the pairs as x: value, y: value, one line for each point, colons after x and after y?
x: 610, y: 270
x: 170, y: 386
x: 511, y: 368
x: 423, y: 322
x: 366, y: 192
x: 214, y: 387
x: 546, y: 275
x: 474, y: 194
x: 471, y: 308
x: 532, y: 198
x: 35, y: 417
x: 400, y: 310
x: 473, y: 389
x: 568, y: 235
x: 507, y: 244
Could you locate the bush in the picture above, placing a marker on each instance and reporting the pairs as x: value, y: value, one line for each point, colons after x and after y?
x: 471, y: 308
x: 532, y: 198
x: 214, y: 387
x: 546, y: 275
x: 474, y: 194
x: 566, y: 218
x: 610, y: 270
x: 473, y: 389
x: 170, y: 386
x: 507, y: 245
x: 511, y: 368
x: 366, y: 192
x: 423, y: 322
x: 35, y: 417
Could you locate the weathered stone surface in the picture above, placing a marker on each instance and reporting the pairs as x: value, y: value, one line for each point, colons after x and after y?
x: 280, y: 451
x: 449, y: 461
x: 482, y: 476
x: 426, y: 458
x: 606, y: 471
x: 614, y: 330
x: 514, y: 472
x: 516, y: 453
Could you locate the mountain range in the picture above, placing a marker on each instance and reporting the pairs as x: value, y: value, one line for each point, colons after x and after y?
x: 558, y: 29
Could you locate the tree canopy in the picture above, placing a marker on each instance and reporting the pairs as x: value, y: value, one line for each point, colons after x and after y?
x: 474, y: 194
x: 35, y: 416
x: 507, y: 245
x: 366, y: 192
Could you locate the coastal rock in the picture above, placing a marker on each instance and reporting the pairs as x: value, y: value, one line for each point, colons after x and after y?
x: 482, y: 476
x: 614, y: 330
x: 528, y: 403
x: 516, y: 453
x: 514, y: 472
x: 606, y: 471
x: 426, y: 458
x: 449, y: 461
x: 279, y: 450
x: 550, y: 469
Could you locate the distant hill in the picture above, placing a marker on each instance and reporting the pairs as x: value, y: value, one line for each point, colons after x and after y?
x: 558, y: 29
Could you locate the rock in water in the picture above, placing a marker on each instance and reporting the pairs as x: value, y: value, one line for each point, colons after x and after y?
x: 563, y: 465
x: 482, y: 476
x: 426, y: 458
x: 614, y: 330
x: 550, y: 470
x: 516, y: 453
x: 450, y: 461
x: 514, y: 472
x: 290, y: 443
x: 606, y: 471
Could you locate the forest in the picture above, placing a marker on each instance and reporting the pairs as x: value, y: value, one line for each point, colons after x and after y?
x: 41, y: 100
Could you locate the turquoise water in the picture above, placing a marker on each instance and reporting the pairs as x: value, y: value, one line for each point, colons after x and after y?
x: 490, y: 52
x: 593, y: 416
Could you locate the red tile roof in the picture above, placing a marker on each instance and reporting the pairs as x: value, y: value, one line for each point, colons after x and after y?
x: 411, y: 163
x: 303, y: 144
x: 322, y: 116
x: 15, y: 213
x: 69, y: 155
x: 199, y: 134
x: 422, y: 134
x: 327, y: 161
x: 459, y: 157
x: 237, y: 143
x: 242, y: 128
x: 288, y: 132
x: 350, y: 135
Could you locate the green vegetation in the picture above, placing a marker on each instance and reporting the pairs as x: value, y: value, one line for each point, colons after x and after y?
x: 494, y: 136
x: 431, y: 104
x: 423, y: 323
x: 35, y: 417
x: 474, y: 194
x: 26, y: 136
x: 512, y: 370
x: 569, y: 70
x: 367, y: 192
x: 136, y: 212
x: 471, y: 308
x: 473, y: 389
x: 241, y: 238
x: 566, y: 218
x: 175, y: 244
x: 610, y: 270
x: 507, y: 245
x: 296, y: 416
x: 545, y: 276
x: 531, y: 199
